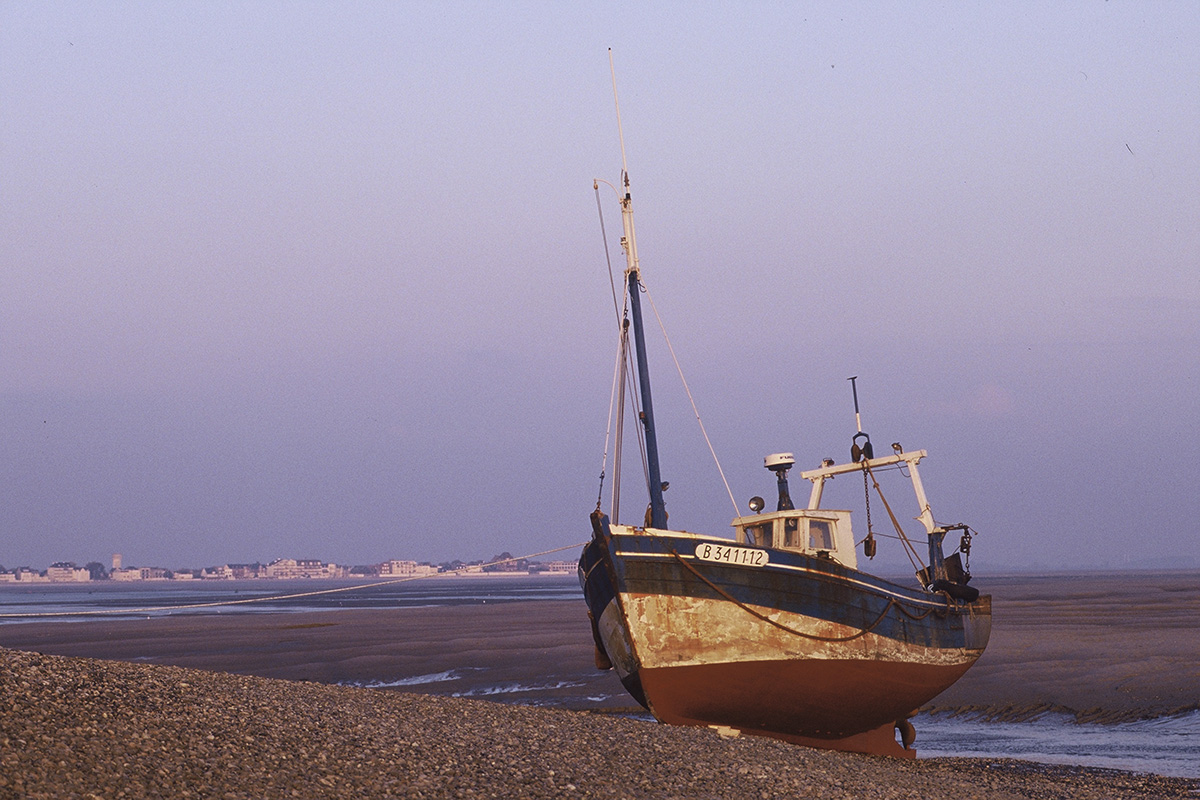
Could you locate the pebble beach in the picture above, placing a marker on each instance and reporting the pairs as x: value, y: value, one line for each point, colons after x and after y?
x: 88, y: 728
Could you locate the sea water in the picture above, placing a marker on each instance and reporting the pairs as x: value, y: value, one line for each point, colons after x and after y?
x: 46, y: 602
x: 1165, y: 746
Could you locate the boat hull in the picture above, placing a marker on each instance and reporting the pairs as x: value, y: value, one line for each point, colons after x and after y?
x: 799, y: 648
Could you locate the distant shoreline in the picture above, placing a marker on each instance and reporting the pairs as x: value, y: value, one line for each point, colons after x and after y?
x: 349, y: 579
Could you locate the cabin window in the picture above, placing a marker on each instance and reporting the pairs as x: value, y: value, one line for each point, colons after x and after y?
x: 791, y: 534
x: 820, y: 534
x: 759, y: 535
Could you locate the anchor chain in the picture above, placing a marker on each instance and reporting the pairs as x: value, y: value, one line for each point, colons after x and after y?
x: 869, y: 542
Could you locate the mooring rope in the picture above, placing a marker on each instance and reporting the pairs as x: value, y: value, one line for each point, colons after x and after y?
x: 243, y: 601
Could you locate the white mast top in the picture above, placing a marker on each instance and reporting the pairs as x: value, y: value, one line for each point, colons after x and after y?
x: 620, y: 131
x: 628, y: 239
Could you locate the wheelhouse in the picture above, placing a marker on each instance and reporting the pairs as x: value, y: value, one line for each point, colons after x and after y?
x: 825, y: 533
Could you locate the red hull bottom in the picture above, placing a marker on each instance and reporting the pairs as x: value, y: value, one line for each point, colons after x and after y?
x: 831, y: 704
x: 878, y: 742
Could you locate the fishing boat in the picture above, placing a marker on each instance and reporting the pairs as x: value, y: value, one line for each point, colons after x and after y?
x: 775, y: 631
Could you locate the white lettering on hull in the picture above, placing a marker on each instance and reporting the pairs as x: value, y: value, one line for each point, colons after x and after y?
x: 723, y: 554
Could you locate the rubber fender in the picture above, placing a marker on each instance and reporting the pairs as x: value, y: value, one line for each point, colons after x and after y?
x: 603, y: 662
x: 968, y: 594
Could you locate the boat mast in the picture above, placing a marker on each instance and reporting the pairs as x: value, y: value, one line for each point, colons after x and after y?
x: 658, y: 509
x: 623, y: 362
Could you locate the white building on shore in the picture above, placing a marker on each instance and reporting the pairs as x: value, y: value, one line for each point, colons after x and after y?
x: 554, y: 567
x: 405, y: 569
x: 291, y: 569
x: 23, y: 575
x: 67, y: 572
x: 138, y: 574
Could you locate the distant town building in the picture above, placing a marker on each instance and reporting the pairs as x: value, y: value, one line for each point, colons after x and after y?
x: 67, y: 572
x: 282, y: 569
x: 554, y: 567
x: 24, y: 575
x: 291, y: 569
x: 139, y: 574
x: 405, y: 569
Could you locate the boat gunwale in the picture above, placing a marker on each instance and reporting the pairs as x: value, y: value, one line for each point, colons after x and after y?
x: 876, y: 584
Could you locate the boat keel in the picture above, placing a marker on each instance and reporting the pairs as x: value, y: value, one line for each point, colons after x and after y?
x: 878, y: 742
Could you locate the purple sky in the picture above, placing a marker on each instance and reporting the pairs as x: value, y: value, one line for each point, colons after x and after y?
x: 326, y: 280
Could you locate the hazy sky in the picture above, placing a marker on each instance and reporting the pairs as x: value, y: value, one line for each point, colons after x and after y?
x: 327, y: 280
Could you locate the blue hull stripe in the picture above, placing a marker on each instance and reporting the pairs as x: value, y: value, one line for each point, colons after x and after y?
x: 882, y: 587
x: 791, y: 582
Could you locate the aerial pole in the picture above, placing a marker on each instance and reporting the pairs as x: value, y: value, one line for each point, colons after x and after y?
x: 865, y: 451
x: 658, y: 509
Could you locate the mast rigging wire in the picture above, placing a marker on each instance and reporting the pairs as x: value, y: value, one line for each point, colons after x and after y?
x: 619, y: 361
x: 736, y: 511
x: 607, y: 256
x: 909, y: 549
x: 634, y: 400
x: 612, y: 393
x: 626, y: 369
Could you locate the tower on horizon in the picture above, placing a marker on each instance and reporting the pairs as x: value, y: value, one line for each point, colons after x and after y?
x: 116, y: 561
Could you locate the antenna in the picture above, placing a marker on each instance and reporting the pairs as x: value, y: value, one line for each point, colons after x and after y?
x: 620, y: 131
x: 865, y: 451
x: 629, y: 240
x: 854, y: 388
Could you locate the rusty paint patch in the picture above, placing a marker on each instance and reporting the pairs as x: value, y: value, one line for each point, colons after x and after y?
x: 692, y: 631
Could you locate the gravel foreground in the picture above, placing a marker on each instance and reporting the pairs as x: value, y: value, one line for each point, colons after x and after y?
x: 77, y: 727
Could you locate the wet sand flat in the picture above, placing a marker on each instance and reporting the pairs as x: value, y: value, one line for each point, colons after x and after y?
x: 1104, y: 646
x: 1107, y: 646
x: 477, y: 650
